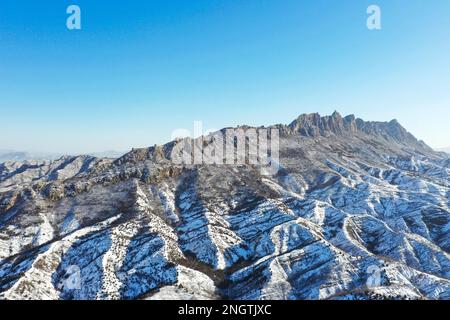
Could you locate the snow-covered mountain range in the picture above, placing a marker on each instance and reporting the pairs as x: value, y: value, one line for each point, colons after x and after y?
x: 447, y: 150
x: 10, y: 155
x: 357, y: 210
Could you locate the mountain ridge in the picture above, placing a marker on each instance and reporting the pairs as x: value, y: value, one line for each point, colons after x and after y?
x: 21, y: 156
x: 314, y: 125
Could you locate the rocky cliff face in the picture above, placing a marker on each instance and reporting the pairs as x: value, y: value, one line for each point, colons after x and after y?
x: 357, y: 210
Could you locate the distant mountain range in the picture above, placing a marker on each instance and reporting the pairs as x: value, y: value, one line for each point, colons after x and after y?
x: 444, y: 150
x: 10, y: 155
x: 356, y: 210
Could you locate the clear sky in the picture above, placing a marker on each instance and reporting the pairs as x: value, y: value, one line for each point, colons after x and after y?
x: 137, y: 70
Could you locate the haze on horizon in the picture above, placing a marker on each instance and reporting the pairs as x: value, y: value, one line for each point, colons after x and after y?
x: 137, y: 71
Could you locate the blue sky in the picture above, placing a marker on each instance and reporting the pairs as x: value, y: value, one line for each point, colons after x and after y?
x: 140, y: 69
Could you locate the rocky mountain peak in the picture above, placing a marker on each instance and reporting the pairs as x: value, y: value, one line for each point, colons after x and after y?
x: 310, y: 125
x: 315, y: 125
